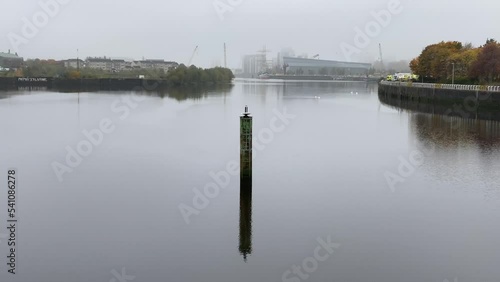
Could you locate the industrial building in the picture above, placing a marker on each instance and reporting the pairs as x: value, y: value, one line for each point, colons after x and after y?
x: 302, y: 66
x: 254, y: 65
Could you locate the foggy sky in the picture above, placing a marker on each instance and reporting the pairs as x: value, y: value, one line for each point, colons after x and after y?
x: 170, y: 29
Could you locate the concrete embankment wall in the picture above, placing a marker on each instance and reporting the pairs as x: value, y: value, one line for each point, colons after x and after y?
x: 477, y: 99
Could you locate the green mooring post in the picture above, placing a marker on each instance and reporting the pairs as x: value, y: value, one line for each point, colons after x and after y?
x: 246, y: 122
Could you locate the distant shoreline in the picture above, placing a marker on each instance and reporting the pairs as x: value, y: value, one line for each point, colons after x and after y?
x: 92, y: 84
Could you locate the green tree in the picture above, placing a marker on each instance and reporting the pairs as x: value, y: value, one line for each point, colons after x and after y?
x: 434, y: 61
x: 193, y: 75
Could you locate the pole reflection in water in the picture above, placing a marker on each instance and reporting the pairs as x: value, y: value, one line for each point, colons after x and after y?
x: 245, y: 246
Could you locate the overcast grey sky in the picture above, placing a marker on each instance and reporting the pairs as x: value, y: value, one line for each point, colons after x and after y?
x: 170, y: 29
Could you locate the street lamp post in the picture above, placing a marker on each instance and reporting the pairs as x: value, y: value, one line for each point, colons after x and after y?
x: 78, y: 60
x: 453, y: 74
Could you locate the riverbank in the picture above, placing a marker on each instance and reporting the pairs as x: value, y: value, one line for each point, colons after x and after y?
x: 439, y: 108
x: 469, y: 98
x: 89, y: 84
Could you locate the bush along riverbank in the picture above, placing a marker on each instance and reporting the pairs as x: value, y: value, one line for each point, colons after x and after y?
x: 183, y: 75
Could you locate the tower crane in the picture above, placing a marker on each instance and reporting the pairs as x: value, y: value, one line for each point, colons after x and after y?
x: 225, y: 56
x: 192, y: 56
x: 381, y: 58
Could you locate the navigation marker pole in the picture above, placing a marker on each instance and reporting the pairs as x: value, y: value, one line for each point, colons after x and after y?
x: 246, y: 122
x: 245, y: 235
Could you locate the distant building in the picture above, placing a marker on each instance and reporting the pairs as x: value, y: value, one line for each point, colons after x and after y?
x: 286, y: 52
x: 118, y: 65
x: 237, y: 71
x: 303, y: 66
x: 73, y: 63
x: 254, y: 64
x: 128, y: 64
x: 155, y: 64
x: 105, y: 64
x: 10, y: 61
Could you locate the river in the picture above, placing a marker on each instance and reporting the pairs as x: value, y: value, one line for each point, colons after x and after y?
x: 121, y: 186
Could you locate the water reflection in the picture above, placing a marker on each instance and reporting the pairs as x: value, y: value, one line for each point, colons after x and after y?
x: 193, y: 92
x: 301, y: 89
x: 196, y: 92
x: 448, y: 130
x: 245, y: 236
x: 459, y: 152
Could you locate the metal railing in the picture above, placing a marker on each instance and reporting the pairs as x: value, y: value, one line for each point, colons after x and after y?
x: 445, y: 86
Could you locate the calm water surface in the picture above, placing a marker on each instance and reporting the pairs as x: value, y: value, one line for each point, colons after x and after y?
x: 321, y: 176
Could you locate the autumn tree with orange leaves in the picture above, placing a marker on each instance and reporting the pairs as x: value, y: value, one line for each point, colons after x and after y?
x: 470, y: 65
x: 435, y: 62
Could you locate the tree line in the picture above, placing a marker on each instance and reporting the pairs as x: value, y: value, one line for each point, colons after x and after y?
x: 183, y: 75
x: 466, y: 64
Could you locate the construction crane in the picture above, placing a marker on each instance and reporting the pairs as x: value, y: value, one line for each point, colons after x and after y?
x: 381, y: 58
x: 192, y: 56
x: 225, y: 56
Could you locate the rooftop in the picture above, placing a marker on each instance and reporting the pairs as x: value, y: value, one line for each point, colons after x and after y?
x: 302, y: 62
x: 99, y: 59
x: 9, y: 55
